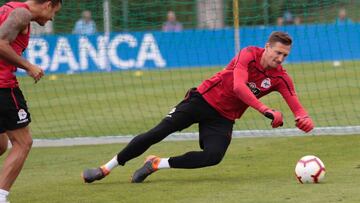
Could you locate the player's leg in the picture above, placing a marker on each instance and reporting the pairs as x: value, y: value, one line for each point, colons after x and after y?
x: 137, y: 146
x: 215, y: 137
x: 14, y: 118
x: 214, y: 150
x: 21, y: 144
x: 3, y: 148
x: 3, y: 142
x: 215, y: 133
x: 142, y: 142
x: 3, y: 137
x: 214, y: 145
x: 179, y: 118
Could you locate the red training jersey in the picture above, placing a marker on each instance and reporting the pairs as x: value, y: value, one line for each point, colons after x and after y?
x: 7, y: 71
x: 240, y: 85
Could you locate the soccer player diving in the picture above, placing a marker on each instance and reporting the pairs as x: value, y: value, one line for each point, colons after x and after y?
x: 215, y: 105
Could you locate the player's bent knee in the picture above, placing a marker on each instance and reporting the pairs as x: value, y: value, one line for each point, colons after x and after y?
x: 20, y: 134
x: 28, y: 144
x: 23, y: 144
x: 214, y: 158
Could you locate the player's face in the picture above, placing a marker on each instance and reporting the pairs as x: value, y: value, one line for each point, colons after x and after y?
x: 48, y: 12
x: 275, y: 54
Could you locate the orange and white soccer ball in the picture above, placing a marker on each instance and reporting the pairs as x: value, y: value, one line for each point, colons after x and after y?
x: 310, y: 169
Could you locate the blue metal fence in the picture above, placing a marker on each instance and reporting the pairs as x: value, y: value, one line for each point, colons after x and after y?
x: 189, y: 48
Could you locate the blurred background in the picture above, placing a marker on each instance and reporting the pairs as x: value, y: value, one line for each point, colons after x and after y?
x: 141, y: 15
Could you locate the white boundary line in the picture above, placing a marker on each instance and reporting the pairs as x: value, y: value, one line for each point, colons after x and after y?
x: 346, y: 130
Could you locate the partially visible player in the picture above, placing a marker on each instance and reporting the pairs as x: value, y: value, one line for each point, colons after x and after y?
x: 215, y: 104
x: 15, y: 20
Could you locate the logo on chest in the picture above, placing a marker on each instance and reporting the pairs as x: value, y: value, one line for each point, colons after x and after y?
x: 266, y: 83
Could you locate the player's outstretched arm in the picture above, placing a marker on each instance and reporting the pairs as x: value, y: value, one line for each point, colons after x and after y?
x: 275, y: 116
x: 302, y: 119
x: 17, y: 22
x: 304, y: 123
x: 244, y: 94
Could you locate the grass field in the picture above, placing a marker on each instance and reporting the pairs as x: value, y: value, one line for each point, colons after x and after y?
x: 122, y: 103
x: 254, y: 170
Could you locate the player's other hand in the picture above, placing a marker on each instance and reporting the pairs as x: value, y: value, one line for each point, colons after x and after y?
x: 304, y: 123
x: 275, y: 116
x: 35, y: 72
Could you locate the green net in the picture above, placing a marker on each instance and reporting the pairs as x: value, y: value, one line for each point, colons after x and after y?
x: 132, y: 100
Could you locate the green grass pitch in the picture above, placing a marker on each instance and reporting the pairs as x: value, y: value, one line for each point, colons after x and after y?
x: 256, y: 170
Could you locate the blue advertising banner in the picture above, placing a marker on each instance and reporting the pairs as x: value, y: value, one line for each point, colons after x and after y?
x: 189, y: 48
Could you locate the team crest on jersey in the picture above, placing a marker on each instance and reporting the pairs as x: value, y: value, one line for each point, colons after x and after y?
x: 266, y: 83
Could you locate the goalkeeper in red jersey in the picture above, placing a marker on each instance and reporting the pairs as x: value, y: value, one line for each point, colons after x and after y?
x: 215, y: 104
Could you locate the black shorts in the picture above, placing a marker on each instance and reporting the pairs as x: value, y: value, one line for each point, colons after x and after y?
x: 13, y: 110
x: 194, y: 109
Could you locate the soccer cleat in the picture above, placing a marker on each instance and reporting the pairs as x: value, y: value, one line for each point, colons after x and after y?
x: 149, y: 167
x: 92, y: 174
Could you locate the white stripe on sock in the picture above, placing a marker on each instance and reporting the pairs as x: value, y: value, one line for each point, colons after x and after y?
x: 3, y: 195
x: 4, y: 192
x: 164, y: 163
x: 113, y: 163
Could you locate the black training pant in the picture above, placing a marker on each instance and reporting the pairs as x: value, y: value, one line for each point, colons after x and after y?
x: 214, y: 131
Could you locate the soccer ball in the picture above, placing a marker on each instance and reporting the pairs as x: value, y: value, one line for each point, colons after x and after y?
x: 310, y: 169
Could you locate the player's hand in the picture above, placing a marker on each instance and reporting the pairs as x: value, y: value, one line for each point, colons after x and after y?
x: 35, y: 72
x: 275, y: 116
x: 304, y: 123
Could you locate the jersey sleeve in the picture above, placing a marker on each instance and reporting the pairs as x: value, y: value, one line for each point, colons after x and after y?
x: 241, y: 74
x: 287, y: 90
